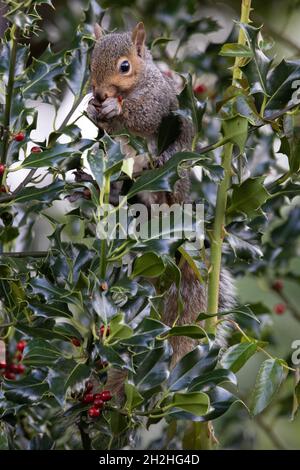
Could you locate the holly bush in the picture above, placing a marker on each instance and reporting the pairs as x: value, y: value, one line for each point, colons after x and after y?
x: 89, y: 306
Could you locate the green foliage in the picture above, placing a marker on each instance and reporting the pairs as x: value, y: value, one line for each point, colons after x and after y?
x: 87, y: 313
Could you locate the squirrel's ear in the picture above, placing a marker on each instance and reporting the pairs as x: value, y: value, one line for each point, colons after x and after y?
x: 98, y: 31
x: 138, y: 38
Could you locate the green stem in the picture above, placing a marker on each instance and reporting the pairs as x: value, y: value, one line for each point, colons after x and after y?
x: 205, y: 432
x: 104, y: 199
x: 259, y: 348
x: 219, y: 222
x: 9, y: 94
x: 217, y: 241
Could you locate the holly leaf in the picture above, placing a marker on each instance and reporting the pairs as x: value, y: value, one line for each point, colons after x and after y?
x: 27, y: 390
x: 236, y: 356
x: 291, y: 127
x: 268, y: 380
x: 200, y: 360
x: 196, y: 403
x: 211, y: 379
x: 46, y: 194
x: 236, y: 130
x: 56, y: 154
x: 43, y: 74
x: 248, y: 197
x: 282, y: 84
x: 133, y: 397
x: 168, y: 132
x: 236, y: 50
x: 148, y: 265
x: 163, y: 179
x: 78, y: 374
x: 95, y: 158
x: 258, y: 67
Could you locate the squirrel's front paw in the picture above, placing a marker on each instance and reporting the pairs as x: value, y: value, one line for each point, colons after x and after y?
x: 93, y: 111
x: 110, y: 108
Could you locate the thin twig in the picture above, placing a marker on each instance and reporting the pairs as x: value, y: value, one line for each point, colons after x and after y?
x: 270, y: 433
x: 26, y: 180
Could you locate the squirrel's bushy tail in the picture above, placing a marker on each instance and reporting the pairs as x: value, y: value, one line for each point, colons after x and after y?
x: 194, y: 301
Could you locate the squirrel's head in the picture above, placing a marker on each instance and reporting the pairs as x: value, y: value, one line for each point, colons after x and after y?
x: 117, y: 62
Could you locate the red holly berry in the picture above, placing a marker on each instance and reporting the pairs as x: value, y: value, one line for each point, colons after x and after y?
x: 94, y: 412
x: 106, y: 395
x: 98, y: 403
x: 88, y: 398
x: 2, y: 169
x: 10, y: 375
x: 200, y: 89
x: 3, y: 189
x: 102, y: 329
x: 97, y: 396
x: 20, y: 369
x: 89, y: 386
x: 120, y: 99
x: 36, y: 149
x: 2, y: 365
x: 19, y: 137
x: 21, y: 345
x: 279, y: 309
x: 13, y: 368
x: 76, y: 342
x: 19, y: 356
x: 277, y: 285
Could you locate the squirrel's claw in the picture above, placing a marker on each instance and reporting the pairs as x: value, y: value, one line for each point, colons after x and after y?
x: 93, y: 111
x: 105, y: 111
x: 110, y: 108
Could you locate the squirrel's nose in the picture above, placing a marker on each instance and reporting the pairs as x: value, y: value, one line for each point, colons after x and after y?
x: 100, y: 95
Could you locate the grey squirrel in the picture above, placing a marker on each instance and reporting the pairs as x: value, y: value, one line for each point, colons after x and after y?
x: 130, y: 92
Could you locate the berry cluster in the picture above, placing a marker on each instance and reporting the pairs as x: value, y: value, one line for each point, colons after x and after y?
x: 21, y: 136
x: 11, y: 370
x: 96, y: 399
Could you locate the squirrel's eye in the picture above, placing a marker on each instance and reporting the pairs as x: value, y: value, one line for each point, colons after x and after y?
x: 125, y: 66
